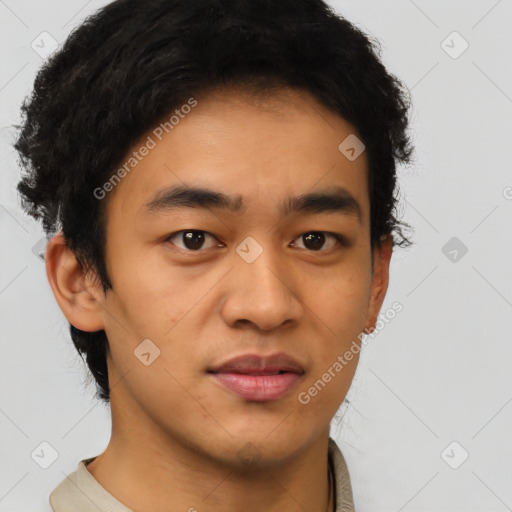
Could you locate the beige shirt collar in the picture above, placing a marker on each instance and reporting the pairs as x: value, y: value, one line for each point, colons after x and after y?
x: 79, y: 491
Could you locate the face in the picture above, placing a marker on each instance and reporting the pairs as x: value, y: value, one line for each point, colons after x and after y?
x: 271, y: 255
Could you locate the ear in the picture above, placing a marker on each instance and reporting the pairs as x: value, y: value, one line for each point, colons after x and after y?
x: 380, y: 279
x: 76, y: 293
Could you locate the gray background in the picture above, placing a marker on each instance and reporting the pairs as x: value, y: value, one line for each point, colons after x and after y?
x: 438, y: 373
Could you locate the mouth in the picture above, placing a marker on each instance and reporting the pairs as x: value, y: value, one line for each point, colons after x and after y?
x: 259, y: 378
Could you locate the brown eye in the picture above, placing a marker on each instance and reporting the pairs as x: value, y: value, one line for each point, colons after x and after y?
x: 192, y: 239
x: 316, y: 240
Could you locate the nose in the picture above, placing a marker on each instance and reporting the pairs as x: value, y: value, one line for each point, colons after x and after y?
x: 262, y: 293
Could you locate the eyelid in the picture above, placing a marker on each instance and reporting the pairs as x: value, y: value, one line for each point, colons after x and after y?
x: 181, y: 231
x: 340, y: 239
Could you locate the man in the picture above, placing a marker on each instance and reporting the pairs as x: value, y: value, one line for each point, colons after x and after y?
x: 218, y: 178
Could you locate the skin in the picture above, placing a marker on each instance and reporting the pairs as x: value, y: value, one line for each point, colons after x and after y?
x: 177, y: 433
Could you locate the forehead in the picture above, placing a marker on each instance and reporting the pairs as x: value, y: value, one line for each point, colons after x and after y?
x: 263, y: 150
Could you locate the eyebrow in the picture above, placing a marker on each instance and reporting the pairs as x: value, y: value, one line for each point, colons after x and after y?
x: 334, y: 199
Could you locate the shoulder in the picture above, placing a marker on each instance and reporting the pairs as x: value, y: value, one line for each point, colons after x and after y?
x: 343, y: 489
x: 80, y: 491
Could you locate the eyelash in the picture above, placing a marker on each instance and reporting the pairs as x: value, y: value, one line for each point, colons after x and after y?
x: 340, y: 239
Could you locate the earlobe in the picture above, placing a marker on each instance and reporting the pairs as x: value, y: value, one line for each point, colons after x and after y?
x: 380, y: 281
x: 76, y: 295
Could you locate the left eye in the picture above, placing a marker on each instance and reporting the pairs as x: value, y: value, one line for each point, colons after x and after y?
x: 315, y: 240
x: 193, y: 239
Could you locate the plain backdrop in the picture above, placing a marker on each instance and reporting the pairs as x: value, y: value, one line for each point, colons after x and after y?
x: 427, y: 422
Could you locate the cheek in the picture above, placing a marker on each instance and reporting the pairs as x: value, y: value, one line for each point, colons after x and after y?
x: 145, y: 298
x: 145, y: 309
x: 339, y: 309
x: 341, y: 303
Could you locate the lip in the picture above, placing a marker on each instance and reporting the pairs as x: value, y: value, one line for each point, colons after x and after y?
x: 257, y: 377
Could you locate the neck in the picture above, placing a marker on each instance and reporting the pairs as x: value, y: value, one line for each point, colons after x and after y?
x: 146, y: 468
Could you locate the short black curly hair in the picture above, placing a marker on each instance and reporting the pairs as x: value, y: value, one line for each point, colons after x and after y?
x: 130, y: 64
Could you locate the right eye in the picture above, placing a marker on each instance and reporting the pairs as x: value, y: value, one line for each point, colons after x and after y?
x: 192, y: 239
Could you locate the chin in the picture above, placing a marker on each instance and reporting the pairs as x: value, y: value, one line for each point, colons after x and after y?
x: 259, y: 448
